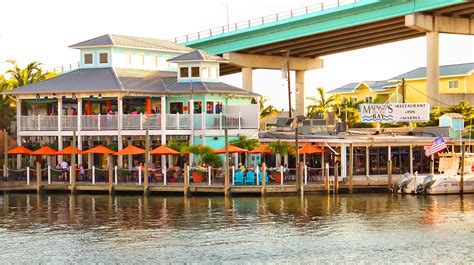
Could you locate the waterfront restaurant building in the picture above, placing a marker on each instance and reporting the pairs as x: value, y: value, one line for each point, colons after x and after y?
x: 125, y: 85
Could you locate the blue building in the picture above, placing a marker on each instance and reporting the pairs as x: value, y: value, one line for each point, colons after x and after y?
x: 125, y: 85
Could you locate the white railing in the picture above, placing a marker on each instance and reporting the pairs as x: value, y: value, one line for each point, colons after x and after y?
x: 262, y: 20
x: 69, y: 123
x: 141, y: 122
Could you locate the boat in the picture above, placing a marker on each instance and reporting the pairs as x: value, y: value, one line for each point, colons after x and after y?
x: 448, y: 181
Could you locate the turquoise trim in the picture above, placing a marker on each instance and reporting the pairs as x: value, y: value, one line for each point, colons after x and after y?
x: 359, y: 13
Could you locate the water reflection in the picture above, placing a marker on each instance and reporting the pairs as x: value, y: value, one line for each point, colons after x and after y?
x: 287, y: 226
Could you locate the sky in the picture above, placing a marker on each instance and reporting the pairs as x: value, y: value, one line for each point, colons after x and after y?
x: 43, y: 30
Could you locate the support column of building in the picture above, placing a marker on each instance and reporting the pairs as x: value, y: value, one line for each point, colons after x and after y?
x: 163, y: 127
x: 90, y: 157
x: 344, y: 161
x: 300, y: 95
x: 432, y: 68
x: 247, y: 78
x: 79, y: 128
x: 60, y: 118
x: 119, y: 131
x: 411, y: 159
x: 18, y: 129
x: 191, y: 140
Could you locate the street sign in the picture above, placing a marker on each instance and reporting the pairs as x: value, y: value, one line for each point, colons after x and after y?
x: 395, y: 112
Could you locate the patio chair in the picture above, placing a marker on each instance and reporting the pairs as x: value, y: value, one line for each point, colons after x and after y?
x: 239, y: 178
x: 250, y: 178
x: 260, y: 178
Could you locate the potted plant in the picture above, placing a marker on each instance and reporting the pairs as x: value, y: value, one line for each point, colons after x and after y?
x: 204, y: 155
x: 198, y: 173
x: 278, y: 148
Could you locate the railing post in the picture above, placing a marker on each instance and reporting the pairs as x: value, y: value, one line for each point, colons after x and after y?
x: 141, y: 121
x: 139, y: 175
x: 98, y: 121
x: 305, y: 175
x: 220, y: 121
x: 39, y: 122
x: 240, y: 123
x: 209, y: 175
x: 233, y: 175
x: 177, y: 121
x: 203, y: 121
x: 165, y: 181
x: 93, y: 175
x: 49, y: 174
x: 116, y: 175
x: 281, y: 178
x: 257, y: 172
x: 326, y: 178
x: 28, y: 176
x: 70, y: 175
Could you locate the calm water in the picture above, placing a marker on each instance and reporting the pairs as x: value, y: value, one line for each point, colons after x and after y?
x: 132, y: 229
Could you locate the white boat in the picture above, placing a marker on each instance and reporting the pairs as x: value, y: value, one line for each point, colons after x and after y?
x: 447, y: 182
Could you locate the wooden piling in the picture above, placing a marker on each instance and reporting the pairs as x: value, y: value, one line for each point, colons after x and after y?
x: 351, y: 168
x: 5, y: 157
x: 300, y: 178
x: 38, y: 177
x: 186, y: 180
x: 389, y: 167
x: 111, y: 175
x: 336, y: 177
x: 147, y: 160
x: 326, y: 178
x: 73, y: 164
x: 463, y: 157
x: 264, y: 179
x: 226, y: 166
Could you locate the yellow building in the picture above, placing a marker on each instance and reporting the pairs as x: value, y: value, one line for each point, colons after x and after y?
x: 456, y: 83
x: 366, y: 91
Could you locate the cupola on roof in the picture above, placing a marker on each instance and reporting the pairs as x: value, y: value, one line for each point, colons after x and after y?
x: 198, y: 56
x: 112, y: 40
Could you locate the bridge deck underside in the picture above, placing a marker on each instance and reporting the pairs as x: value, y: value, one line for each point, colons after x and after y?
x: 351, y: 38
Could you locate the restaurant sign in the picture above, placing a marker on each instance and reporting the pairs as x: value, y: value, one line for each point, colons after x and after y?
x: 395, y: 112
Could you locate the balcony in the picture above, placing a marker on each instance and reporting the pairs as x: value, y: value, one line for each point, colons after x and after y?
x: 141, y: 122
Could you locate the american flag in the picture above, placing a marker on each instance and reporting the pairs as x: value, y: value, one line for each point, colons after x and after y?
x: 437, y: 145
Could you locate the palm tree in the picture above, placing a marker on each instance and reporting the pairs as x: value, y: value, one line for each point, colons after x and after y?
x: 6, y: 105
x: 30, y: 74
x: 349, y: 111
x: 266, y: 112
x: 279, y: 148
x: 320, y: 102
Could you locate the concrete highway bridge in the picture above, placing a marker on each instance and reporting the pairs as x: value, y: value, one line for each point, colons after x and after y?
x: 304, y: 35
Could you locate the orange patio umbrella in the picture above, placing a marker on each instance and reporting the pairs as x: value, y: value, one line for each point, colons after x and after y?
x: 310, y: 149
x: 164, y: 150
x: 130, y: 150
x: 20, y: 150
x: 68, y: 151
x: 263, y: 149
x: 44, y: 150
x: 100, y: 149
x: 231, y: 149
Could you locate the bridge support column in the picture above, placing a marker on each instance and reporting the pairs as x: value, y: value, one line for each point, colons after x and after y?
x: 300, y: 95
x: 247, y: 78
x: 432, y: 68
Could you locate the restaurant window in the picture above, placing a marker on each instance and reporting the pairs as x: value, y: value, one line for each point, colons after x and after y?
x: 88, y: 58
x: 368, y: 99
x: 359, y: 161
x: 183, y: 72
x: 210, y: 107
x: 104, y: 58
x: 176, y: 107
x: 194, y: 71
x: 197, y: 107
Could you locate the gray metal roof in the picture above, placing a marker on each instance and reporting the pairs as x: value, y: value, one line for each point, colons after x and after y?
x: 121, y: 79
x: 132, y: 42
x: 198, y: 55
x: 444, y: 70
x: 80, y: 80
x: 373, y: 85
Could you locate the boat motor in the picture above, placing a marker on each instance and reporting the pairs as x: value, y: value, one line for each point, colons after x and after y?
x: 405, y: 179
x: 423, y: 188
